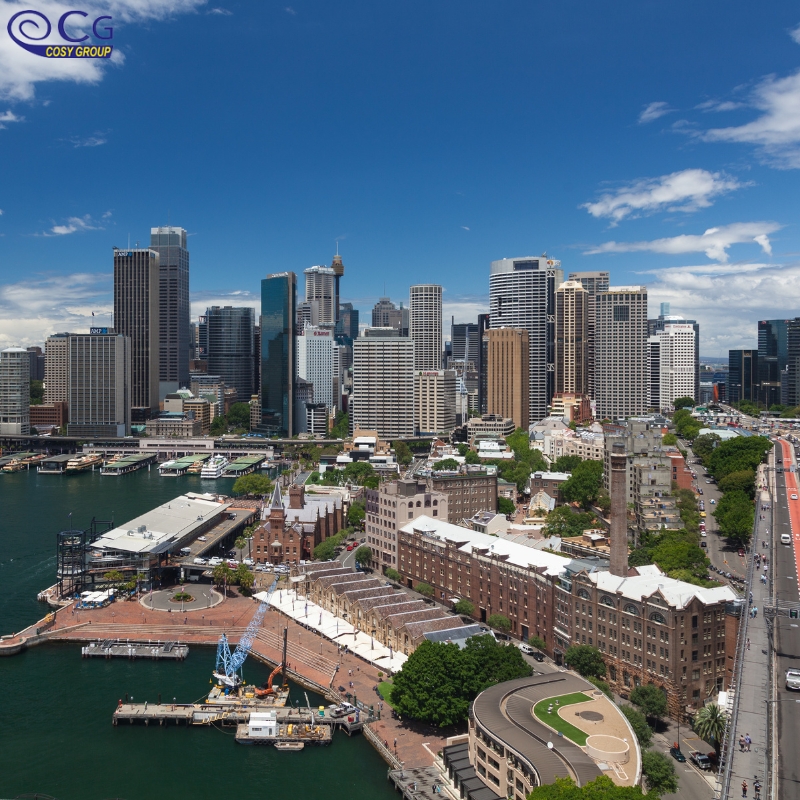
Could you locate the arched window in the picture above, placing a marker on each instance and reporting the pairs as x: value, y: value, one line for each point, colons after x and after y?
x: 584, y: 594
x: 418, y: 503
x: 656, y: 617
x: 436, y: 502
x: 629, y: 609
x: 607, y: 601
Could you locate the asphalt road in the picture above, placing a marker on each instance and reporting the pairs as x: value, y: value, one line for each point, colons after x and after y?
x: 787, y: 644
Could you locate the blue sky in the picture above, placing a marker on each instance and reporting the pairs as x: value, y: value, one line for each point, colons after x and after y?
x: 428, y: 138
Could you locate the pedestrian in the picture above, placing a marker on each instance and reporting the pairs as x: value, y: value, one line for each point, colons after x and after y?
x: 741, y: 743
x: 755, y: 612
x: 748, y: 741
x: 744, y: 788
x: 747, y: 644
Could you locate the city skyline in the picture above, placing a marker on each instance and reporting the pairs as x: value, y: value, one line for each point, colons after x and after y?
x: 663, y: 178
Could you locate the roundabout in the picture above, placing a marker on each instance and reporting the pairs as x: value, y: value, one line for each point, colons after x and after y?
x: 201, y: 598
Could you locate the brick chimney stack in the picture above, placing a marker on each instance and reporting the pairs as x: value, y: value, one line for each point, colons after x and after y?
x: 619, y: 511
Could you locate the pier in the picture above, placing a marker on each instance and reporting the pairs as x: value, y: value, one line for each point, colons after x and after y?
x: 126, y: 464
x: 116, y: 648
x: 55, y: 465
x: 243, y: 466
x: 180, y: 466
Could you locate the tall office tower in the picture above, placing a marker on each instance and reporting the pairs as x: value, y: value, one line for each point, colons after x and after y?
x: 522, y: 295
x: 15, y: 392
x: 677, y: 368
x: 654, y: 326
x: 99, y: 381
x: 137, y: 295
x: 338, y: 270
x: 385, y: 314
x: 347, y: 326
x: 383, y: 385
x: 508, y: 384
x: 175, y: 344
x: 654, y: 372
x: 307, y: 314
x: 435, y: 400
x: 572, y: 310
x: 320, y: 287
x: 773, y: 355
x: 594, y: 283
x: 315, y: 362
x: 465, y: 342
x: 36, y: 358
x: 278, y: 359
x: 621, y: 385
x: 793, y: 363
x: 56, y: 353
x: 743, y: 372
x: 425, y: 325
x: 229, y: 350
x: 257, y: 356
x: 483, y: 344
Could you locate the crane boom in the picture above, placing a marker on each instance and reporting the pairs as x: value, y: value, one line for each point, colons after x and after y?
x: 229, y: 665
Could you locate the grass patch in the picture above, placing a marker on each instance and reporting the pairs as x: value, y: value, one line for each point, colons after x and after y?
x: 385, y: 688
x: 556, y: 722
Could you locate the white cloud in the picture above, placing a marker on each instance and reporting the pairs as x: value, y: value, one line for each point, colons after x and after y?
x: 290, y: 10
x: 687, y: 190
x: 719, y: 105
x: 728, y: 300
x: 95, y: 140
x: 464, y: 227
x: 221, y: 11
x: 795, y: 34
x: 714, y: 242
x: 653, y: 111
x: 9, y: 116
x: 20, y: 70
x: 76, y: 225
x: 200, y: 301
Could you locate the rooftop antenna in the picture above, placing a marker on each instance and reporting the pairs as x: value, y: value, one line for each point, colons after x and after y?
x: 337, y: 247
x: 129, y: 241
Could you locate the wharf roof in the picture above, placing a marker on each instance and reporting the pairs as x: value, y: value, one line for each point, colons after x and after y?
x: 421, y: 627
x: 390, y: 599
x: 347, y: 579
x: 164, y: 527
x: 400, y: 617
x: 457, y: 635
x: 360, y: 595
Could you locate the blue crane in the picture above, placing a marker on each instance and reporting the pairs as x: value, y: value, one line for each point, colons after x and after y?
x: 228, y: 670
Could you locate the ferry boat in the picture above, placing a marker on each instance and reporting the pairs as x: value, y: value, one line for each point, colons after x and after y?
x: 82, y: 463
x: 214, y: 468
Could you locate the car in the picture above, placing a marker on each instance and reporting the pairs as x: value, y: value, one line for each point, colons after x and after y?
x: 712, y: 501
x: 231, y: 554
x: 248, y: 562
x: 675, y: 752
x: 793, y: 679
x: 700, y: 760
x: 703, y: 532
x: 260, y: 568
x: 786, y: 538
x: 201, y: 561
x: 708, y: 480
x: 537, y: 656
x: 794, y: 497
x: 699, y: 490
x: 703, y: 544
x: 526, y: 648
x: 214, y: 562
x: 201, y: 538
x: 741, y: 552
x: 232, y: 563
x: 351, y: 546
x: 702, y: 513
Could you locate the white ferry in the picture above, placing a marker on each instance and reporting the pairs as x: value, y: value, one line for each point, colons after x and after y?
x: 214, y: 467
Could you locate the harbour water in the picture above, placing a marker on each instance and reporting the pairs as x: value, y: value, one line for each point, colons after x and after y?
x: 56, y: 735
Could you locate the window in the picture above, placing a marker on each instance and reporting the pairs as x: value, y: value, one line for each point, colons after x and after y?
x: 656, y: 617
x: 622, y: 313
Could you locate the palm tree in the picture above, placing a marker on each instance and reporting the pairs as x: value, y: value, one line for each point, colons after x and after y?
x: 710, y: 723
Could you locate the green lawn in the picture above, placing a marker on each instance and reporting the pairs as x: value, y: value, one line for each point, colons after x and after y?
x: 385, y: 688
x: 556, y: 722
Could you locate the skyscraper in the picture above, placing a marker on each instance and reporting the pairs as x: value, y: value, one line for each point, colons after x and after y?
x: 136, y: 315
x: 483, y: 361
x: 36, y: 358
x: 278, y: 360
x: 676, y: 364
x: 773, y: 356
x: 315, y: 362
x: 465, y: 342
x: 175, y: 345
x: 654, y: 326
x: 347, y: 325
x: 507, y: 374
x: 594, y: 283
x: 15, y: 392
x: 793, y: 363
x: 621, y: 376
x: 425, y: 325
x: 385, y: 314
x: 321, y: 287
x: 435, y: 400
x: 742, y: 376
x: 572, y: 309
x: 522, y: 295
x: 337, y: 265
x: 229, y: 347
x: 56, y: 354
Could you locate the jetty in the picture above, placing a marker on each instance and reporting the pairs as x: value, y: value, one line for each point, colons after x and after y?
x: 243, y: 466
x: 117, y: 648
x: 21, y: 461
x: 55, y: 465
x: 126, y: 464
x: 180, y: 466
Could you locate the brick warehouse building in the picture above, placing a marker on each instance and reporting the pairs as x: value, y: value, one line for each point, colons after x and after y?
x: 467, y: 493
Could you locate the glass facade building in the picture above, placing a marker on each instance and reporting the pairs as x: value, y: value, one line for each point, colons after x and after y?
x: 773, y: 356
x: 278, y: 357
x: 742, y: 375
x: 228, y: 342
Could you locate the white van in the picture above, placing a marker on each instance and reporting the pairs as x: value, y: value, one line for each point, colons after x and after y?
x: 526, y: 648
x: 786, y: 538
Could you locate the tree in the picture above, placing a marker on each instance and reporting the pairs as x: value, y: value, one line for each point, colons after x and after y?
x: 37, y: 392
x: 222, y: 574
x: 505, y: 506
x: 393, y: 575
x: 683, y: 402
x: 704, y: 445
x: 113, y: 576
x: 363, y: 555
x: 584, y: 484
x: 240, y: 543
x: 254, y: 485
x: 564, y: 521
x: 425, y: 589
x: 585, y: 660
x: 219, y: 425
x: 659, y: 773
x: 537, y: 642
x: 462, y: 448
x: 464, y: 607
x: 402, y: 453
x: 743, y: 480
x: 358, y: 472
x: 472, y: 457
x: 356, y: 513
x: 244, y: 578
x: 638, y: 721
x: 650, y: 699
x: 566, y: 463
x: 341, y: 426
x: 239, y: 415
x: 499, y: 622
x: 601, y: 685
x: 710, y: 723
x: 446, y: 463
x: 602, y: 788
x: 669, y: 439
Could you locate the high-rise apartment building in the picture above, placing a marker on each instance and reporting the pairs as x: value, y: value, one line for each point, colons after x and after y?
x: 654, y: 372
x: 621, y: 366
x: 522, y: 295
x: 56, y: 350
x: 175, y: 345
x: 655, y: 326
x: 385, y: 314
x: 483, y: 361
x: 507, y: 374
x: 15, y: 392
x: 321, y: 289
x: 435, y: 400
x: 773, y: 356
x: 229, y: 342
x: 278, y: 358
x: 99, y: 381
x: 383, y: 385
x: 425, y: 325
x: 137, y: 281
x: 571, y: 361
x: 594, y: 283
x: 743, y: 373
x: 315, y: 362
x: 676, y: 364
